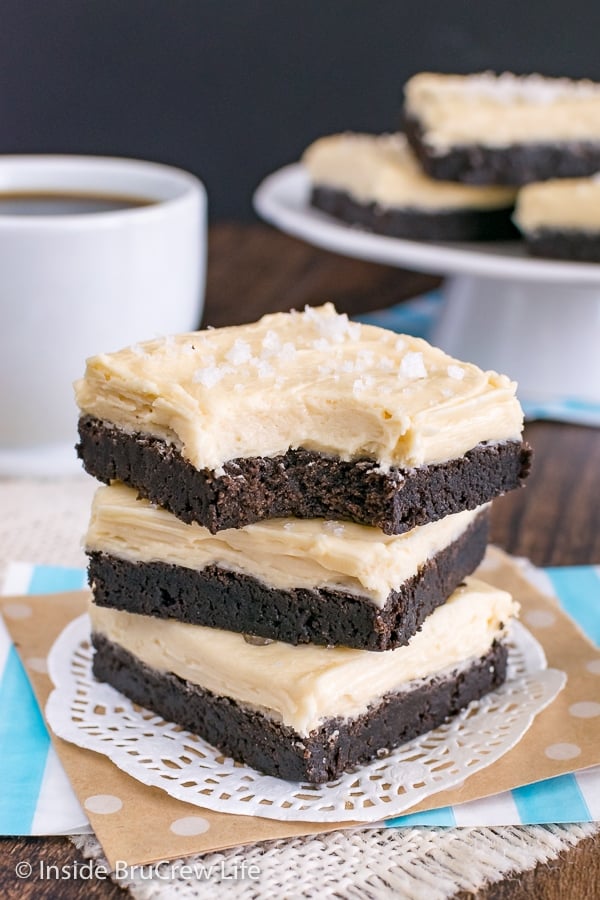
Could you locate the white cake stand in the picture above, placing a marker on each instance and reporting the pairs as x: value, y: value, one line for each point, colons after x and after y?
x: 537, y: 320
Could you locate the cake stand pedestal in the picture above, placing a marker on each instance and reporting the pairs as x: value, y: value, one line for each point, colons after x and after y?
x: 545, y: 335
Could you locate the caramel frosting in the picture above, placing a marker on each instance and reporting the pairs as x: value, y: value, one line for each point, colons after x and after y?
x: 564, y: 204
x: 312, y: 379
x: 302, y: 686
x: 281, y: 553
x: 499, y: 110
x: 382, y: 169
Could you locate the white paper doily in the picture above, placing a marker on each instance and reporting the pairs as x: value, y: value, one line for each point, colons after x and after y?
x: 95, y: 716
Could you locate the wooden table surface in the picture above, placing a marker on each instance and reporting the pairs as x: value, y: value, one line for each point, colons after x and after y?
x: 555, y: 521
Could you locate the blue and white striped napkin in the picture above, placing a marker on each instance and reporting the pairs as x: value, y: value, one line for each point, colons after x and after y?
x: 566, y: 798
x: 418, y: 317
x: 36, y: 797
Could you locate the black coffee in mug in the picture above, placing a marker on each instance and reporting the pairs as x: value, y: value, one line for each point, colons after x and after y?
x: 59, y: 203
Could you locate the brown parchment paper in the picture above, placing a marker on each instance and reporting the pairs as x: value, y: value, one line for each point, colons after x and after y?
x: 141, y: 830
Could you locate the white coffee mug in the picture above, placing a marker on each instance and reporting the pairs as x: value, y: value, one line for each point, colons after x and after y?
x: 76, y: 284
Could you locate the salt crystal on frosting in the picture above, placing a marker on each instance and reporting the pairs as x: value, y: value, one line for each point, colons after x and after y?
x: 361, y: 384
x: 209, y: 376
x: 321, y: 344
x: 336, y: 328
x: 412, y: 366
x: 287, y: 352
x: 456, y: 372
x: 271, y: 342
x: 364, y: 360
x: 239, y: 353
x: 264, y: 368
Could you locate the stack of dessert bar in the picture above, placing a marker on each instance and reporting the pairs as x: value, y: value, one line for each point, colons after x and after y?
x: 281, y: 558
x: 470, y: 143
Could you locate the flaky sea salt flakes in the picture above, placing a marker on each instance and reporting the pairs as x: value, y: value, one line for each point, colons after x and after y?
x: 364, y: 360
x: 309, y: 313
x: 361, y: 384
x: 209, y: 376
x: 335, y: 328
x: 456, y: 372
x: 264, y: 369
x: 271, y: 342
x: 347, y: 365
x: 321, y: 344
x: 386, y: 364
x: 138, y: 350
x: 239, y: 353
x: 287, y: 352
x: 400, y: 344
x: 412, y: 366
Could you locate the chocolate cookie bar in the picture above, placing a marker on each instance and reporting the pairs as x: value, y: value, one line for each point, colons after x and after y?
x: 306, y: 713
x: 503, y: 129
x: 305, y: 415
x: 376, y: 183
x: 298, y: 581
x: 560, y: 219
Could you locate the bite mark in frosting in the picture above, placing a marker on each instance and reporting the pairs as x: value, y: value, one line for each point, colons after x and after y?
x: 312, y: 379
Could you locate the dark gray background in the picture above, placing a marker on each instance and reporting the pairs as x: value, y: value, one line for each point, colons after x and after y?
x: 232, y: 89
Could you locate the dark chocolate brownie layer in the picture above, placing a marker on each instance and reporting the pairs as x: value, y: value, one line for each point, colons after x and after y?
x: 514, y: 164
x: 300, y: 483
x: 266, y: 745
x: 222, y: 599
x: 416, y: 224
x: 578, y: 246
